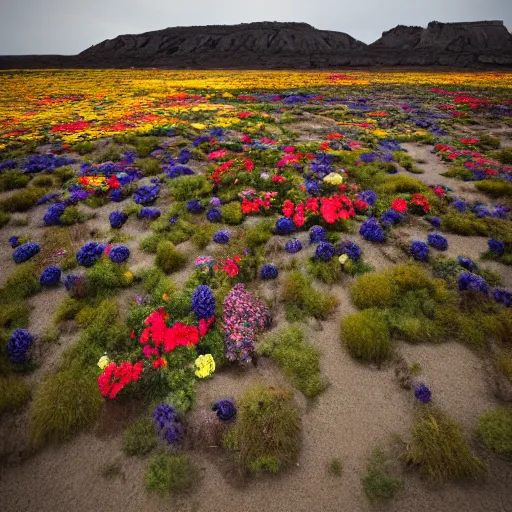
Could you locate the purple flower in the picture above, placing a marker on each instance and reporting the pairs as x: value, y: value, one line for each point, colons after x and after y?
x: 213, y: 215
x: 117, y: 219
x: 422, y: 393
x: 369, y: 196
x: 390, y: 218
x: 284, y: 226
x: 203, y: 302
x: 503, y: 297
x: 438, y: 242
x: 53, y: 214
x: 325, y: 251
x: 468, y: 281
x: 184, y: 156
x: 497, y: 247
x: 18, y: 344
x: 215, y: 201
x: 119, y: 254
x: 222, y: 237
x: 50, y: 276
x: 351, y: 249
x: 146, y: 195
x: 25, y: 251
x: 89, y: 254
x: 293, y: 246
x: 195, y: 206
x: 175, y: 171
x: 435, y: 221
x: 14, y: 241
x: 46, y: 163
x: 225, y: 409
x: 459, y: 205
x: 148, y: 213
x: 317, y: 234
x: 167, y: 424
x: 268, y: 271
x: 419, y: 250
x: 370, y: 230
x: 467, y: 263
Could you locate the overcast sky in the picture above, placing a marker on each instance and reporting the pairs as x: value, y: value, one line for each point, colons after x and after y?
x: 70, y: 26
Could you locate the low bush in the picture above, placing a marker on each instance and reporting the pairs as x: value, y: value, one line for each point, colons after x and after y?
x: 14, y: 393
x: 495, y: 188
x: 203, y: 235
x: 213, y: 343
x: 140, y: 437
x: 65, y: 403
x: 366, y: 336
x: 232, y: 213
x: 495, y: 430
x: 186, y: 188
x: 23, y: 200
x: 329, y: 272
x: 168, y: 258
x: 22, y: 283
x: 439, y: 448
x: 399, y: 183
x: 297, y: 358
x: 149, y: 166
x: 12, y: 179
x: 379, y: 483
x: 259, y: 234
x: 170, y: 474
x: 267, y: 433
x: 43, y: 180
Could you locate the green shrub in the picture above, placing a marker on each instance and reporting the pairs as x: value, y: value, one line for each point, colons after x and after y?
x: 14, y: 393
x: 65, y: 403
x: 23, y: 200
x: 4, y: 218
x: 170, y: 474
x: 186, y: 188
x: 328, y: 272
x: 504, y: 156
x: 12, y: 179
x: 67, y: 310
x: 259, y: 234
x: 379, y: 484
x: 14, y: 315
x: 168, y: 258
x: 64, y: 174
x: 140, y: 437
x: 149, y: 166
x: 366, y: 336
x: 203, y: 235
x: 495, y: 430
x: 400, y: 183
x: 83, y: 148
x: 143, y: 145
x: 213, y: 343
x: 299, y: 360
x: 72, y: 215
x: 374, y: 290
x: 43, y: 180
x: 232, y: 213
x: 439, y: 448
x: 266, y: 435
x: 57, y: 239
x: 505, y: 364
x: 495, y: 188
x: 104, y: 277
x: 22, y: 283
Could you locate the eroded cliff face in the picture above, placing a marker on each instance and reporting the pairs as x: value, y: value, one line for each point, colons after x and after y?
x: 272, y: 45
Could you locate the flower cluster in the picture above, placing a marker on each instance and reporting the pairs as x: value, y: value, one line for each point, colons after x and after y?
x: 195, y: 206
x: 213, y: 215
x: 117, y: 219
x: 146, y: 195
x: 253, y: 203
x: 244, y: 316
x: 203, y: 302
x: 317, y: 234
x: 175, y: 171
x: 90, y: 253
x: 284, y: 226
x: 114, y: 378
x: 371, y: 230
x: 434, y: 221
x: 167, y: 424
x: 438, y: 242
x: 205, y: 365
x: 45, y: 163
x: 268, y: 271
x: 351, y: 249
x: 423, y: 393
x: 119, y: 254
x: 467, y: 263
x: 419, y: 250
x: 225, y: 409
x: 222, y: 237
x: 14, y: 241
x: 53, y: 214
x: 390, y: 218
x: 497, y: 247
x: 468, y: 281
x: 17, y: 346
x: 25, y: 251
x: 50, y: 276
x: 325, y: 251
x: 503, y: 297
x: 293, y: 246
x: 148, y: 213
x: 368, y: 196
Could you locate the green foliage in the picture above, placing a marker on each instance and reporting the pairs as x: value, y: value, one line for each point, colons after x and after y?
x: 203, y: 234
x: 299, y: 295
x: 67, y: 310
x: 105, y: 277
x: 468, y: 224
x: 399, y: 183
x: 373, y: 290
x: 23, y: 200
x: 83, y: 148
x: 266, y: 435
x: 379, y: 484
x: 148, y: 166
x: 366, y: 336
x: 65, y: 403
x: 57, y: 239
x: 495, y: 430
x: 143, y: 145
x: 72, y: 215
x: 495, y: 188
x: 406, y: 162
x: 140, y: 437
x: 439, y: 449
x: 298, y: 359
x: 504, y: 156
x: 168, y: 258
x: 14, y: 315
x: 170, y: 474
x: 487, y: 142
x: 43, y: 180
x: 259, y: 234
x: 22, y: 283
x: 186, y: 188
x: 328, y: 272
x: 213, y: 343
x: 232, y: 213
x: 357, y: 268
x: 14, y: 393
x: 12, y: 179
x: 4, y: 218
x: 64, y: 174
x: 335, y: 467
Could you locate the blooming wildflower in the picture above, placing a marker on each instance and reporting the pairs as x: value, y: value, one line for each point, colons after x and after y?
x: 225, y: 409
x: 268, y: 271
x: 497, y: 247
x: 370, y: 230
x: 195, y: 206
x: 117, y: 219
x: 222, y: 237
x: 422, y: 393
x: 203, y: 302
x: 419, y: 250
x: 17, y: 346
x: 205, y: 366
x: 438, y: 242
x: 50, y: 276
x: 119, y: 254
x: 468, y: 281
x: 25, y: 251
x: 284, y: 226
x: 324, y: 251
x: 293, y: 246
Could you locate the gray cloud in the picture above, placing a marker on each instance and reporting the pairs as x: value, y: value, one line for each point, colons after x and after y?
x: 70, y: 26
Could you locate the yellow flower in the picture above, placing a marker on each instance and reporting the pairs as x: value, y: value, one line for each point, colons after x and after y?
x: 103, y: 362
x: 128, y: 275
x: 165, y: 296
x: 380, y: 133
x: 198, y: 126
x: 333, y: 179
x: 343, y: 259
x: 205, y: 366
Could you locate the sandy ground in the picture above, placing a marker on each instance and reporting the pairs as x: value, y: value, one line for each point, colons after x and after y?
x: 361, y: 408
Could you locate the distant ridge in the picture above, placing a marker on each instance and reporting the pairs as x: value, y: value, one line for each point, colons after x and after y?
x: 282, y: 45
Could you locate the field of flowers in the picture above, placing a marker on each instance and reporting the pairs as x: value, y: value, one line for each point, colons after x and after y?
x: 174, y: 242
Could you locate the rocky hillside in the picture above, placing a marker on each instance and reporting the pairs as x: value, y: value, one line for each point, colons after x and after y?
x: 271, y: 45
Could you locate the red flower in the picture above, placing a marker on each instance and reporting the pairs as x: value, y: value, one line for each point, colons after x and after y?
x: 114, y: 378
x: 290, y: 149
x: 361, y: 205
x: 312, y: 205
x: 204, y: 325
x: 288, y: 208
x: 248, y: 164
x: 469, y: 141
x: 278, y: 179
x: 324, y: 146
x: 399, y: 205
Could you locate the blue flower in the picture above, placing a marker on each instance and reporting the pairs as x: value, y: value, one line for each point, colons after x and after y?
x: 225, y: 409
x: 213, y: 215
x: 53, y: 214
x: 215, y: 201
x: 503, y: 297
x: 167, y: 424
x: 317, y: 234
x: 148, y: 213
x: 50, y: 276
x: 390, y: 218
x: 195, y: 206
x: 268, y: 271
x: 284, y: 226
x: 460, y: 205
x: 438, y: 242
x: 46, y: 163
x: 89, y: 254
x: 419, y: 250
x: 146, y: 195
x: 18, y: 344
x: 203, y: 302
x: 184, y: 156
x: 467, y: 263
x: 468, y: 281
x: 351, y: 249
x: 369, y: 196
x: 422, y: 393
x: 435, y: 221
x: 119, y: 254
x: 325, y: 251
x: 117, y: 219
x: 175, y: 171
x: 497, y: 247
x: 222, y: 237
x: 25, y: 251
x: 293, y: 246
x: 371, y: 230
x: 14, y: 241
